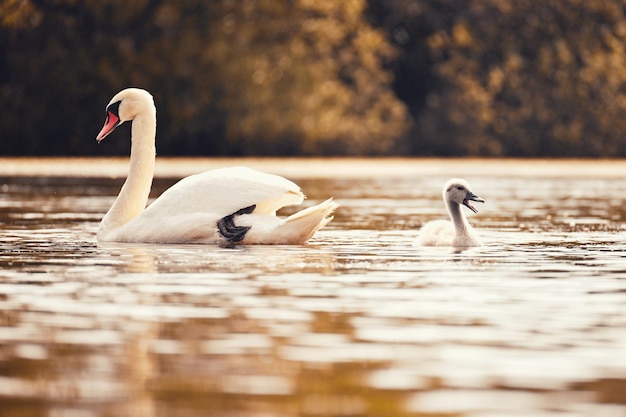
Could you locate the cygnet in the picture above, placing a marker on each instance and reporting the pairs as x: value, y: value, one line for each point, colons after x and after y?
x: 457, y: 232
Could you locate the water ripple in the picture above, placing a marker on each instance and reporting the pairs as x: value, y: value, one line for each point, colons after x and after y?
x: 358, y: 322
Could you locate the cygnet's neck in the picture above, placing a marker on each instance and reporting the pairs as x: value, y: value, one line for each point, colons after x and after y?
x: 133, y: 196
x: 461, y: 225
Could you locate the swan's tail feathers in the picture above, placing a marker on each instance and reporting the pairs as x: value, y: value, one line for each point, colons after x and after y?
x: 301, y: 226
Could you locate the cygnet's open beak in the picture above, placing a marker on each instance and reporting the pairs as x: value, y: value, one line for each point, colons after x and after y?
x: 473, y: 197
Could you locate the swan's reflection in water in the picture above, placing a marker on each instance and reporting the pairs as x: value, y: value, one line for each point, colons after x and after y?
x: 359, y: 322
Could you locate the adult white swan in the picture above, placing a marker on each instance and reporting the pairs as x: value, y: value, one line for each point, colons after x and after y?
x: 224, y: 206
x: 457, y: 233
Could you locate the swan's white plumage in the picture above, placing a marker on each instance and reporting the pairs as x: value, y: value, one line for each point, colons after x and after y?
x: 226, y: 190
x: 457, y: 232
x: 189, y: 211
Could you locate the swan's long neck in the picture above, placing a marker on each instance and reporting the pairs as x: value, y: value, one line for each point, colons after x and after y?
x: 133, y: 196
x: 458, y: 218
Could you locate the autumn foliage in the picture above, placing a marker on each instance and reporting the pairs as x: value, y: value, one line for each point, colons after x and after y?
x: 319, y: 77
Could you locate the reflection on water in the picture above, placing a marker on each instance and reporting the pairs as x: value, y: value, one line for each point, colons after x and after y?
x: 358, y: 323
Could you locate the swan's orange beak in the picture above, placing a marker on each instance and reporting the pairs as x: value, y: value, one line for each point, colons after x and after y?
x: 110, y: 123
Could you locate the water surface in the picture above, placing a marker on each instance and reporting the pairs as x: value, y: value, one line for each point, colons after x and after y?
x: 359, y: 322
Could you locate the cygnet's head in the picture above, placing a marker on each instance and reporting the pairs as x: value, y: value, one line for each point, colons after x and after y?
x: 125, y: 106
x: 457, y: 191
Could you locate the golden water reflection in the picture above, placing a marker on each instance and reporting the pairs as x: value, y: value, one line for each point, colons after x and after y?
x: 357, y: 323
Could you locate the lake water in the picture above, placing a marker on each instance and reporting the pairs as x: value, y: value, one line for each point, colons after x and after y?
x: 359, y: 322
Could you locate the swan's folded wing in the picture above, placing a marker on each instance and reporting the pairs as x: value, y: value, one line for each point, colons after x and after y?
x: 225, y: 191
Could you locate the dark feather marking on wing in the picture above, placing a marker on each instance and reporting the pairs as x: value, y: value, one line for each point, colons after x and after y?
x: 229, y: 230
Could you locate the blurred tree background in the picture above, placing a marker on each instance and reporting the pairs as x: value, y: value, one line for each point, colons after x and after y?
x: 319, y: 77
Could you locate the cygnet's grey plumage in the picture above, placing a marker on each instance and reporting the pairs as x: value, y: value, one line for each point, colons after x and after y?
x: 457, y: 232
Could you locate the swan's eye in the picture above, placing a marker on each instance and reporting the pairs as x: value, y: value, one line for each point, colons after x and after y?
x: 114, y: 108
x: 459, y: 187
